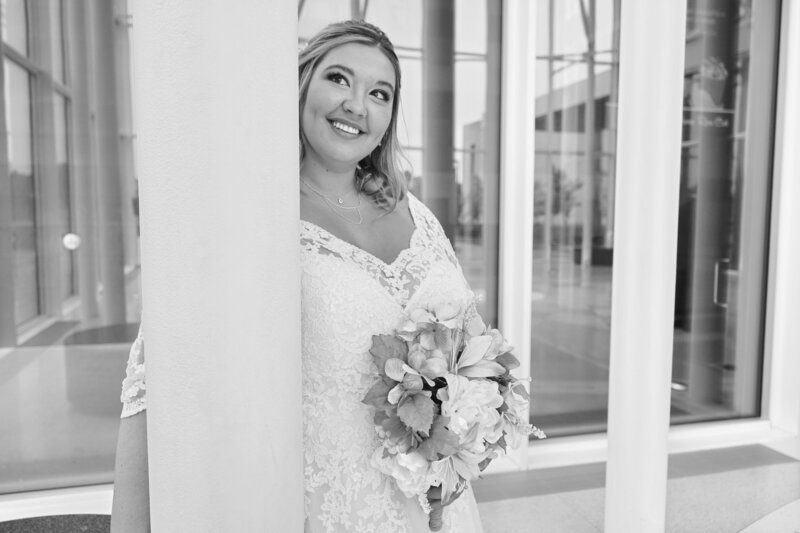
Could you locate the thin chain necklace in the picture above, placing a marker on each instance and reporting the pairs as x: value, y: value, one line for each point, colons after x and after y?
x: 339, y: 204
x: 339, y: 197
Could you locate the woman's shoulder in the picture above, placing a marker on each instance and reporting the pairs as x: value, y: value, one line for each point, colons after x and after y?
x: 421, y: 212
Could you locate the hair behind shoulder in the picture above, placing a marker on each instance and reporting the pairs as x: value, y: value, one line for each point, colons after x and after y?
x: 379, y: 175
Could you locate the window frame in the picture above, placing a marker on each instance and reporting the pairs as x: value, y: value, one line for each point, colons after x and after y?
x: 779, y: 423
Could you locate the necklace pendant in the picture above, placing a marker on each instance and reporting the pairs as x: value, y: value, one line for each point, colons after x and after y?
x: 341, y: 201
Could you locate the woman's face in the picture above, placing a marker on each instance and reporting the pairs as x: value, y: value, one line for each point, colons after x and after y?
x: 348, y: 106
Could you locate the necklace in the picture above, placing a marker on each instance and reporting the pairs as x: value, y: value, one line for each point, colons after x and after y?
x: 339, y: 197
x: 339, y: 204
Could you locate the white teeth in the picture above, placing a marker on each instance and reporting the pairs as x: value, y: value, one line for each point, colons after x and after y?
x: 345, y: 128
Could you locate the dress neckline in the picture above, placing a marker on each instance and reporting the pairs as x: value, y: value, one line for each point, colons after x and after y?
x: 369, y: 255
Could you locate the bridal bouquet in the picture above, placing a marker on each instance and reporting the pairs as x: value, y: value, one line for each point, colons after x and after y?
x: 446, y: 404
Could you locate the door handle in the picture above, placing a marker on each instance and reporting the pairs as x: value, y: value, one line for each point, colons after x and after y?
x: 721, y: 265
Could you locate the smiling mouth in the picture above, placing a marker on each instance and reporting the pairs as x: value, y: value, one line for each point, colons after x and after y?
x: 345, y: 128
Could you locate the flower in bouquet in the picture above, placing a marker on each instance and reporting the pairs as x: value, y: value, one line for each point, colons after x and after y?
x: 446, y: 403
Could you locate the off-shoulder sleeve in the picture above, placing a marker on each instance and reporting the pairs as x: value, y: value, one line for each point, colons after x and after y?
x: 133, y: 387
x: 424, y: 217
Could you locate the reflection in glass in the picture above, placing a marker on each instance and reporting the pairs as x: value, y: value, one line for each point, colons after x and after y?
x: 722, y: 219
x: 57, y: 39
x: 63, y: 345
x: 23, y: 192
x: 64, y: 192
x: 576, y: 97
x: 724, y: 209
x: 450, y: 115
x: 15, y: 24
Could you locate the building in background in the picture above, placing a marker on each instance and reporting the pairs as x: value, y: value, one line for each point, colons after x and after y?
x: 69, y: 245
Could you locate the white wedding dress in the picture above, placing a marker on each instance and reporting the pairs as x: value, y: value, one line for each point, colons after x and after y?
x: 349, y: 295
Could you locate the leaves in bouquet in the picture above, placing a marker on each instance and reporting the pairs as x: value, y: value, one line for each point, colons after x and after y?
x: 441, y: 443
x: 385, y: 347
x: 416, y: 411
x: 508, y: 360
x: 502, y: 443
x: 376, y: 396
x: 518, y: 387
x: 396, y: 431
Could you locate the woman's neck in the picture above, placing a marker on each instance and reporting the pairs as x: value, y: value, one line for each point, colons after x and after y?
x: 328, y: 180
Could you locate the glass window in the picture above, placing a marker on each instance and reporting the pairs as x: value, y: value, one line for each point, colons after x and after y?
x: 722, y: 221
x: 450, y: 115
x: 23, y: 192
x: 729, y: 89
x: 57, y: 39
x: 573, y: 246
x: 15, y: 24
x: 64, y: 192
x: 64, y: 339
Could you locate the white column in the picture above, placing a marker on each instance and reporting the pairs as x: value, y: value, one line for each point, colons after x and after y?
x: 784, y: 395
x: 215, y: 103
x: 516, y: 186
x: 646, y: 214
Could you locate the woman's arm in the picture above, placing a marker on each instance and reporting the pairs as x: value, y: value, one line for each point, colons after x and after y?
x: 130, y: 511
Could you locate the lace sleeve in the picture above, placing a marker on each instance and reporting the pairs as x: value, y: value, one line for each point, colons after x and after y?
x: 133, y: 387
x: 432, y: 226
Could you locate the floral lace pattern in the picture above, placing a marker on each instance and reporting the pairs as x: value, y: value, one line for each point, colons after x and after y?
x: 348, y: 296
x: 402, y: 276
x: 134, y: 386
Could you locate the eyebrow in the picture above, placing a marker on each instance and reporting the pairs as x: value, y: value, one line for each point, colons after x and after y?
x: 351, y: 72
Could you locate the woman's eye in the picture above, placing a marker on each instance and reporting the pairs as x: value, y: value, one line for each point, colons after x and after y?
x: 337, y: 78
x: 382, y: 95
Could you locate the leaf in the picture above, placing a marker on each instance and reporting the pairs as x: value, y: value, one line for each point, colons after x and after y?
x: 474, y: 351
x: 519, y: 389
x: 385, y: 347
x: 441, y: 443
x: 508, y: 360
x: 502, y: 443
x: 376, y: 396
x: 416, y: 412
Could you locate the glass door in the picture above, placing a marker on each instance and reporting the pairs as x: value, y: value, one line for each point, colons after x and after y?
x: 729, y: 88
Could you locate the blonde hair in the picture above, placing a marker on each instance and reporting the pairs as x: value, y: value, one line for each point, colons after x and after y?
x: 378, y: 174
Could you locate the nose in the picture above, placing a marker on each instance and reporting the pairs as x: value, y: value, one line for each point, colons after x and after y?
x: 355, y: 104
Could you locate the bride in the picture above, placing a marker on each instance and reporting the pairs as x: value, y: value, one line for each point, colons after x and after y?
x: 369, y: 250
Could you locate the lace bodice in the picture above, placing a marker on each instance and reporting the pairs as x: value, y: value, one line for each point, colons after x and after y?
x: 349, y: 295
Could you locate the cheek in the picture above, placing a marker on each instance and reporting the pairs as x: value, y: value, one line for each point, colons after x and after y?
x: 381, y: 121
